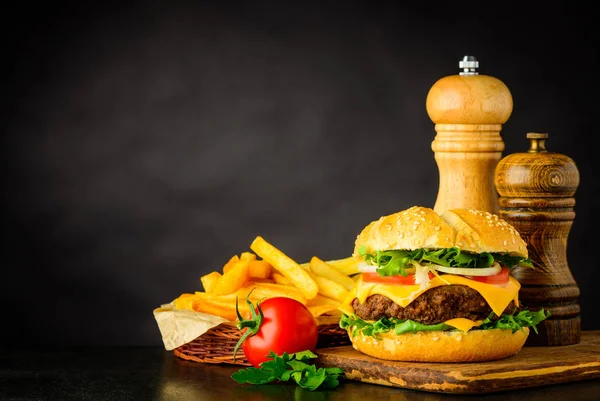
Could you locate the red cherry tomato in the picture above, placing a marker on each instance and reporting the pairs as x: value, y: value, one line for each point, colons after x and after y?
x: 286, y: 326
x: 500, y: 278
x: 401, y: 280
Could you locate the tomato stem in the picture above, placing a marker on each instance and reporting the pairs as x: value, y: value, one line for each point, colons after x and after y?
x: 251, y: 325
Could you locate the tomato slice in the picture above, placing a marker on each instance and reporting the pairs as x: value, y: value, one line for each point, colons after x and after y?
x: 402, y: 280
x: 500, y: 278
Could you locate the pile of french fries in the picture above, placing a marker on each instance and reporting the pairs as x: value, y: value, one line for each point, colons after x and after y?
x: 267, y: 272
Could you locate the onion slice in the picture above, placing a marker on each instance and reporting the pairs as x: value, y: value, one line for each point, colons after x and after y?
x: 365, y: 268
x: 422, y: 276
x: 470, y: 271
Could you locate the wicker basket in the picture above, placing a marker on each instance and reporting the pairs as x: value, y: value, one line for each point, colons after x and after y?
x: 217, y: 344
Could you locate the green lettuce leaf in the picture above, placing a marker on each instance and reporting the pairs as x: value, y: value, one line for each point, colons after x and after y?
x: 395, y: 262
x: 512, y: 322
x: 516, y: 322
x: 385, y: 324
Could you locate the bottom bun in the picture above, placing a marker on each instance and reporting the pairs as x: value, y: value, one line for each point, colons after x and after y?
x: 441, y: 346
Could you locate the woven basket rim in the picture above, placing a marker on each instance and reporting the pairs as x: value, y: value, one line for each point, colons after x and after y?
x: 324, y: 319
x: 217, y: 344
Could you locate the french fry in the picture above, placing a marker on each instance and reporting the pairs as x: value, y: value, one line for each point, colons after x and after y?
x: 321, y: 305
x: 281, y: 279
x: 319, y: 310
x: 322, y: 300
x: 286, y: 266
x: 259, y: 291
x: 330, y: 288
x: 347, y: 266
x: 320, y: 268
x: 231, y: 281
x: 234, y: 259
x: 262, y: 280
x: 228, y: 298
x: 247, y: 256
x: 259, y: 269
x: 184, y: 301
x: 223, y: 306
x: 209, y: 280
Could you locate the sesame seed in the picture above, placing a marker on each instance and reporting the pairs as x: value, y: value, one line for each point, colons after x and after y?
x: 401, y: 235
x: 438, y: 228
x: 505, y: 243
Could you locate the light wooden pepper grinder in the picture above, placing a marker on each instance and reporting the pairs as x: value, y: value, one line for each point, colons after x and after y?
x: 537, y: 191
x: 468, y: 110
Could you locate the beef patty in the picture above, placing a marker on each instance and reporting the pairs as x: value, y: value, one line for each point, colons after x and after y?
x: 433, y: 306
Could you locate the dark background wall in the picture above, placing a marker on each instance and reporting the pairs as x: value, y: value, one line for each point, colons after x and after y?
x: 146, y: 144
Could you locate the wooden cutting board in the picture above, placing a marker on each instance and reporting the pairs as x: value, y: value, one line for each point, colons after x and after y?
x: 531, y: 367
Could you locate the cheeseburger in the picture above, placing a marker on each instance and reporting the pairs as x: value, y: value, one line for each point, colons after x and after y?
x: 437, y: 288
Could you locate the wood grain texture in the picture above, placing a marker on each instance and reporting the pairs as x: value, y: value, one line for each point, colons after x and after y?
x: 532, y: 367
x: 527, y: 175
x: 469, y: 99
x: 537, y: 191
x: 467, y: 156
x: 468, y: 112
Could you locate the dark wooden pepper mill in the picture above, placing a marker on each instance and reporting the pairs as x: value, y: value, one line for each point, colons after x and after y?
x: 537, y: 191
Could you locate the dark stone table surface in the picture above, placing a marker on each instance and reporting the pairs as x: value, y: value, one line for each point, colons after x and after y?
x: 151, y: 373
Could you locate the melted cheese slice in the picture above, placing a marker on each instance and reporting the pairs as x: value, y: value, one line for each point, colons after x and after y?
x: 463, y: 324
x: 496, y: 296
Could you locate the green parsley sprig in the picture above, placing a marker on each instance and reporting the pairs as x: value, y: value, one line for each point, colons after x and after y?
x: 291, y: 367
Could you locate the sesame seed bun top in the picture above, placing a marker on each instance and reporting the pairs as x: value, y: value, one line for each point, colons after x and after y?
x: 421, y: 227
